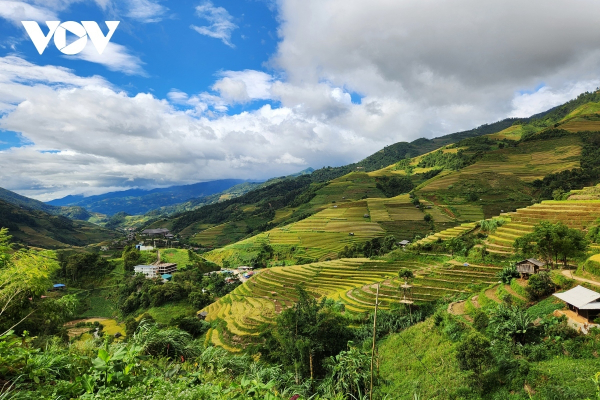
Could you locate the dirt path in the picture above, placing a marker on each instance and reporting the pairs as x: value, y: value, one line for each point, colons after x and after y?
x: 491, y: 294
x: 475, y: 302
x: 569, y: 275
x: 513, y: 293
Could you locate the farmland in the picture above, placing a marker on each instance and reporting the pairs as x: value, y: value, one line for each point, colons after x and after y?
x: 349, y: 281
x: 574, y: 213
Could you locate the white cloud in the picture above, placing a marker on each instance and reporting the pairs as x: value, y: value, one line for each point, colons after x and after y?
x: 114, y: 57
x: 437, y: 58
x: 287, y: 158
x: 106, y: 138
x: 17, y: 11
x: 221, y: 22
x: 146, y: 10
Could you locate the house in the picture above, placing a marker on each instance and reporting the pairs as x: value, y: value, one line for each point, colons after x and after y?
x: 148, y: 270
x: 166, y: 277
x: 202, y: 314
x: 59, y: 286
x: 404, y: 243
x: 583, y: 301
x: 155, y: 232
x: 530, y: 266
x: 244, y: 268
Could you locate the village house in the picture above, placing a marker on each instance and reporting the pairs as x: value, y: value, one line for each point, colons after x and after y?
x: 530, y: 266
x: 158, y: 232
x: 156, y: 269
x: 404, y: 243
x: 583, y: 305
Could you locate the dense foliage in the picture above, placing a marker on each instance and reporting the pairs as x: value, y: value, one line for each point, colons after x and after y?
x: 553, y: 242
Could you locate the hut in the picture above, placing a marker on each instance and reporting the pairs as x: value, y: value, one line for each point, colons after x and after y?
x: 404, y: 243
x: 582, y: 301
x: 530, y: 266
x: 202, y: 314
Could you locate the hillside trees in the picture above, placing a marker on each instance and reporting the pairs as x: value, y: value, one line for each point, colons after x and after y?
x: 77, y: 267
x: 305, y: 335
x: 131, y: 257
x: 395, y: 185
x: 553, y: 242
x: 24, y: 278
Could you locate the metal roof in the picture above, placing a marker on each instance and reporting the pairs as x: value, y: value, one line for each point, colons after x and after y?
x: 57, y: 285
x: 404, y: 242
x: 534, y: 261
x: 579, y: 296
x: 591, y: 306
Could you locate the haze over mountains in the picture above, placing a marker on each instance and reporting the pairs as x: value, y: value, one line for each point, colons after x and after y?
x: 140, y: 201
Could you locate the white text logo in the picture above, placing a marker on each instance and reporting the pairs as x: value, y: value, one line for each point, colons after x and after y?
x: 82, y: 31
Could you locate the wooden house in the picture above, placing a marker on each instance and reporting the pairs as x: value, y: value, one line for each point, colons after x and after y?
x: 583, y: 301
x: 530, y: 266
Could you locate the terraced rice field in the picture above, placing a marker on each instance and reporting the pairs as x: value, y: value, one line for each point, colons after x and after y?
x: 448, y: 233
x: 324, y: 234
x: 574, y: 213
x: 351, y: 281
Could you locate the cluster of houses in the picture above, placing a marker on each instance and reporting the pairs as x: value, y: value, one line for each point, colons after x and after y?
x: 158, y: 237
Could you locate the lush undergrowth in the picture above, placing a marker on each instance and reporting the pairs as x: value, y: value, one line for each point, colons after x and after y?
x: 431, y: 360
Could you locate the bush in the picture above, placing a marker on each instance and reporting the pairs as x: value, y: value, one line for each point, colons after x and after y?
x: 539, y: 285
x: 507, y: 274
x: 193, y: 326
x: 473, y: 353
x: 480, y: 320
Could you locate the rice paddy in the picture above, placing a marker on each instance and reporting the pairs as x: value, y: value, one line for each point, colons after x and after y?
x: 350, y: 281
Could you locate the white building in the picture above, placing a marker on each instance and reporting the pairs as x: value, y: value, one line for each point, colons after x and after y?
x: 150, y: 271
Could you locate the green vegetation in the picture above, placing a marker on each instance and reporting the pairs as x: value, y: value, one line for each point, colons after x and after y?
x: 553, y: 242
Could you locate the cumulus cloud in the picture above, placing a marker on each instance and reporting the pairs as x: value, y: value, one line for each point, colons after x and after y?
x: 441, y: 57
x: 103, y: 137
x: 244, y: 86
x: 419, y: 68
x: 221, y: 22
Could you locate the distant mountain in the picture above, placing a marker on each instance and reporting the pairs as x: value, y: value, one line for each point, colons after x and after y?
x: 140, y: 201
x: 41, y: 229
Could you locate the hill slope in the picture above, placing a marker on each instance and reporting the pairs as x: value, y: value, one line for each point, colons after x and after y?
x: 40, y: 229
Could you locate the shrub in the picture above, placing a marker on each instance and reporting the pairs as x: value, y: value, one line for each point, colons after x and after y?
x: 507, y: 274
x: 539, y: 285
x: 480, y: 320
x: 473, y: 353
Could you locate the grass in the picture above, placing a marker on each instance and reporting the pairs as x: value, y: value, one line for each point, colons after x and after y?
x: 165, y: 313
x: 420, y: 361
x: 178, y: 256
x: 99, y: 305
x: 545, y: 307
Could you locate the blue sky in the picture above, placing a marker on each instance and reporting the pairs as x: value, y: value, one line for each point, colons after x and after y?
x: 169, y: 53
x: 196, y: 90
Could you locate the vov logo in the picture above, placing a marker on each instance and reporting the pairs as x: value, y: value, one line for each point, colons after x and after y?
x: 82, y: 31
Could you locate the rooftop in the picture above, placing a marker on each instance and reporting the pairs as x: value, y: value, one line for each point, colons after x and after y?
x: 580, y: 297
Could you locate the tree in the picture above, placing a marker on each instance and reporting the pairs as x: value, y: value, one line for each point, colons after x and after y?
x: 473, y: 353
x: 25, y: 274
x: 553, y: 242
x: 539, y: 285
x: 131, y: 258
x: 406, y: 274
x: 305, y: 334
